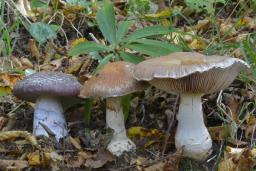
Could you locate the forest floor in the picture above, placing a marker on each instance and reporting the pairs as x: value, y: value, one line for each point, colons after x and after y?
x: 223, y: 28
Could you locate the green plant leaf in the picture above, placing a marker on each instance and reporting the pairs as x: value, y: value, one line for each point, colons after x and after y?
x: 148, y: 31
x: 130, y: 57
x: 41, y: 31
x: 87, y: 110
x: 123, y: 27
x: 105, y: 18
x: 153, y: 48
x: 126, y: 105
x: 103, y: 62
x: 38, y: 4
x: 200, y: 5
x: 87, y: 47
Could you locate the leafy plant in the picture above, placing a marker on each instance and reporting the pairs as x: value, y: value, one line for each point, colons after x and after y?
x: 119, y: 40
x: 200, y: 5
x: 138, y: 6
x: 7, y: 43
x: 42, y: 31
x: 249, y: 48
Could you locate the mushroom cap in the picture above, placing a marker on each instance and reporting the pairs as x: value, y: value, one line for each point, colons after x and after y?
x: 47, y: 83
x: 114, y: 79
x: 190, y: 72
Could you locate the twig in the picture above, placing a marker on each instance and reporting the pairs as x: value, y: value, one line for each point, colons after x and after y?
x: 94, y: 38
x: 167, y: 134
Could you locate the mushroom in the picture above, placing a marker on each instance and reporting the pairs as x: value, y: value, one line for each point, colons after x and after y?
x: 50, y: 90
x: 192, y: 75
x: 112, y: 82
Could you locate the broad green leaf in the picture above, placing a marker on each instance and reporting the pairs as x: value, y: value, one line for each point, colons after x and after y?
x: 87, y: 110
x: 103, y: 62
x: 131, y: 58
x: 41, y: 31
x: 166, y: 45
x: 126, y: 105
x: 95, y: 55
x: 148, y: 31
x: 153, y: 47
x: 105, y: 18
x: 249, y: 50
x: 38, y: 4
x: 87, y: 47
x: 122, y: 29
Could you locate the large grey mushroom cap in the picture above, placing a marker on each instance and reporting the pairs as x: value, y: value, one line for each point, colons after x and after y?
x: 114, y: 80
x: 47, y: 83
x: 190, y: 72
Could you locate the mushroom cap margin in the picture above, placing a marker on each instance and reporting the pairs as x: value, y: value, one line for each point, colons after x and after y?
x: 190, y: 72
x: 114, y: 80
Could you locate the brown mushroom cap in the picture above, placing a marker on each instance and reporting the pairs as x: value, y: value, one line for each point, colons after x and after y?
x: 115, y: 79
x: 190, y: 72
x: 47, y: 83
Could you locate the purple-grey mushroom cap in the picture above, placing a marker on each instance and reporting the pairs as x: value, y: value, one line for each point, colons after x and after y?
x: 47, y: 83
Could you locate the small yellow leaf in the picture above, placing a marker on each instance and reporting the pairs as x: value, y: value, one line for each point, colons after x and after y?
x: 197, y: 44
x: 141, y: 132
x: 5, y: 90
x: 165, y: 22
x: 162, y: 14
x: 77, y: 41
x: 34, y: 158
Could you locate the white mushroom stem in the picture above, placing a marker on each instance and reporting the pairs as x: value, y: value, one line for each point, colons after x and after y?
x: 192, y: 133
x: 49, y: 113
x: 115, y: 120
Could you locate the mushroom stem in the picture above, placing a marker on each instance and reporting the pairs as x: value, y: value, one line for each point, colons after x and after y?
x: 192, y: 134
x: 49, y: 112
x: 115, y: 120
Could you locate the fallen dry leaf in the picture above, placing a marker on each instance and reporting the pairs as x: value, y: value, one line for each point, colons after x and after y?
x: 233, y: 105
x: 75, y: 143
x: 227, y: 29
x: 237, y: 159
x: 26, y: 63
x: 74, y: 65
x: 219, y: 133
x: 165, y: 13
x: 197, y: 44
x: 49, y: 52
x: 11, y: 135
x: 141, y: 132
x: 57, y: 63
x: 24, y: 8
x: 7, y: 82
x: 78, y: 161
x: 248, y: 22
x: 249, y: 127
x: 13, y: 164
x: 171, y: 163
x: 99, y: 159
x: 3, y: 122
x: 33, y: 49
x: 202, y: 25
x: 7, y: 79
x: 77, y: 41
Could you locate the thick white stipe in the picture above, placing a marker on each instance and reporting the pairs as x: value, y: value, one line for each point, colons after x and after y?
x: 49, y: 112
x: 115, y: 120
x: 192, y: 133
